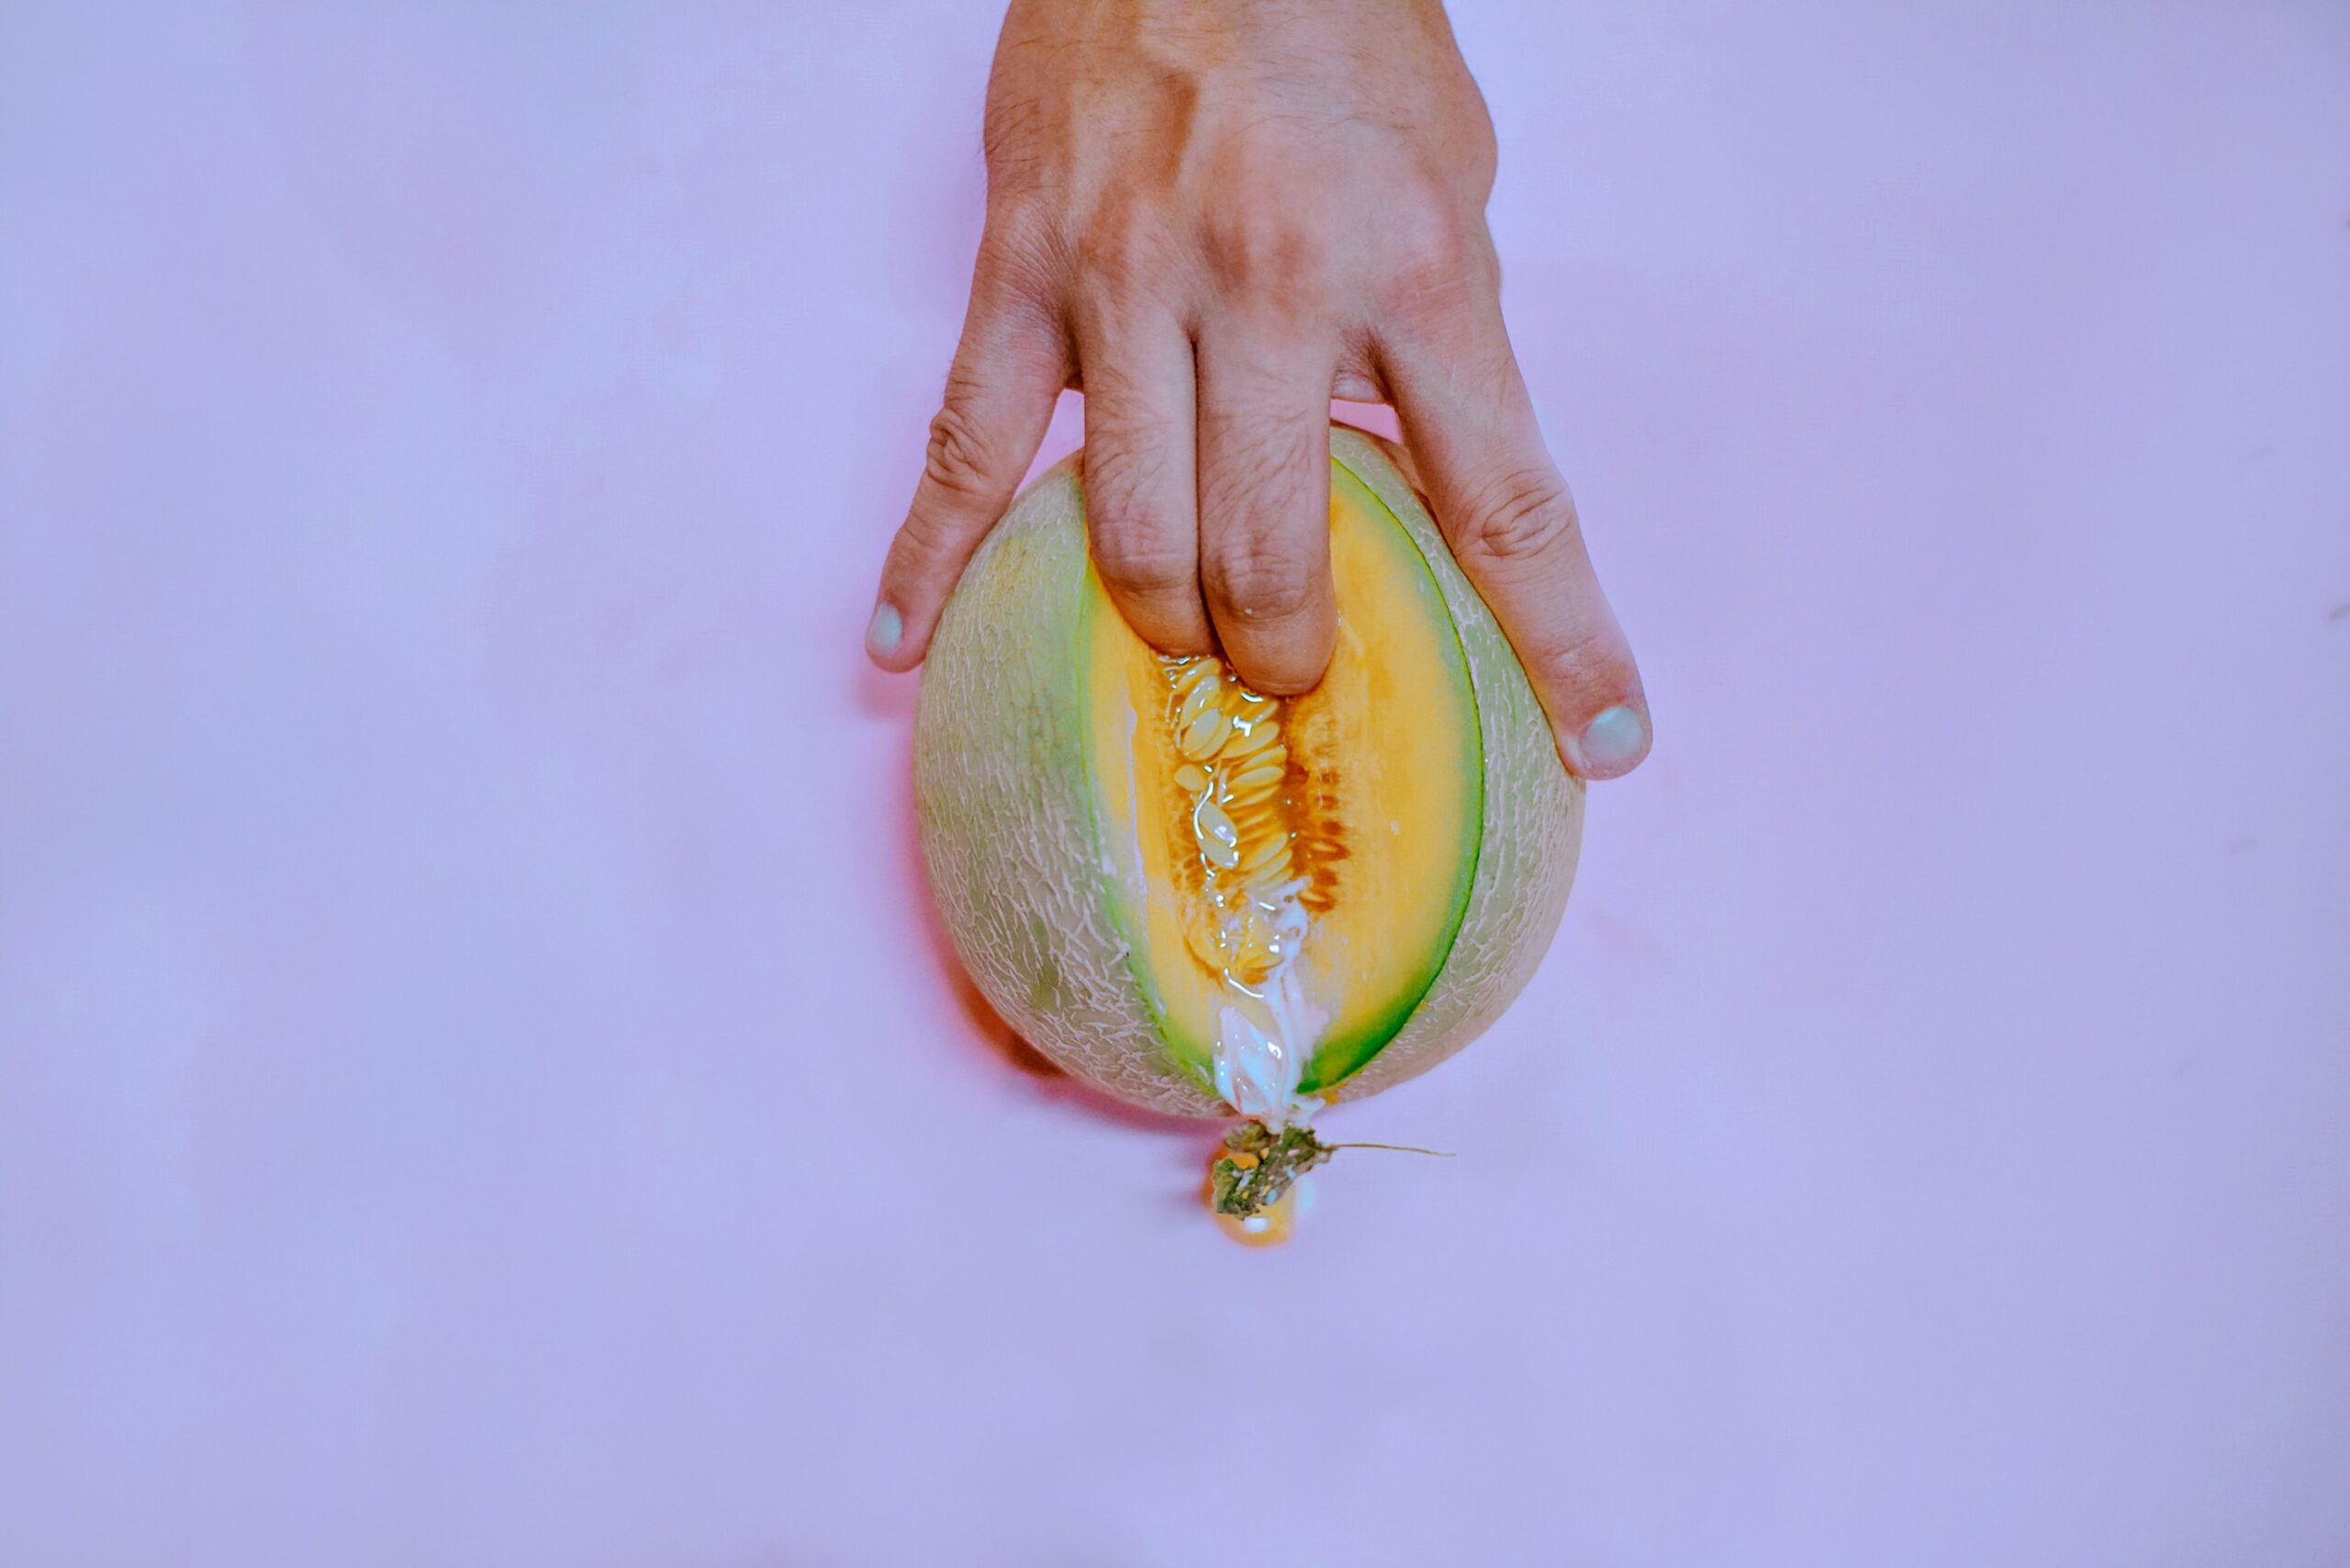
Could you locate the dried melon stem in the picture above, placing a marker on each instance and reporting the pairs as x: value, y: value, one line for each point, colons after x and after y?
x: 1259, y: 1164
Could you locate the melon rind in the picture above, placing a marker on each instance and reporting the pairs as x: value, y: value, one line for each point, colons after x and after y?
x: 1005, y: 805
x: 1015, y: 857
x: 1533, y: 829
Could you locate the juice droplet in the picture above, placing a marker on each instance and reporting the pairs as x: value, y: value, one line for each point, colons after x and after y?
x: 1275, y: 1223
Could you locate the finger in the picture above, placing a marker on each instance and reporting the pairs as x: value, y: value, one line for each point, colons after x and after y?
x: 1512, y: 525
x: 1264, y: 491
x: 1008, y: 370
x: 1141, y: 503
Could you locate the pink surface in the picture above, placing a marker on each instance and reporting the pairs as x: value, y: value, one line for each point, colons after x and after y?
x: 477, y: 1085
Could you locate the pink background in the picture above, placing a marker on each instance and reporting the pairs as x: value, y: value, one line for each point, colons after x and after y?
x: 477, y: 1081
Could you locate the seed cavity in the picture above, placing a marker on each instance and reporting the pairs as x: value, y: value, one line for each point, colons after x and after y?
x: 1263, y: 829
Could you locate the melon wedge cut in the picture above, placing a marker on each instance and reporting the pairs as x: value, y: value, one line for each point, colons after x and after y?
x: 1210, y: 902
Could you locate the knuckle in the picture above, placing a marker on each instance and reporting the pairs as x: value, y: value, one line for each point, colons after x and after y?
x: 1477, y: 159
x: 1261, y: 581
x: 1017, y: 224
x: 1122, y: 249
x: 1019, y: 252
x: 1437, y: 266
x: 1015, y: 140
x: 1009, y: 121
x: 1433, y: 239
x: 1264, y: 248
x: 1521, y: 516
x: 1141, y: 559
x: 1140, y: 544
x: 957, y: 459
x: 1135, y: 543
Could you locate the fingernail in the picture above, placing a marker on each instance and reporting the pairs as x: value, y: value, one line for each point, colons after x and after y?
x: 1611, y: 743
x: 887, y: 627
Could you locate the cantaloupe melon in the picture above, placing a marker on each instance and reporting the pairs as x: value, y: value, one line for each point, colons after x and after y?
x: 1210, y: 902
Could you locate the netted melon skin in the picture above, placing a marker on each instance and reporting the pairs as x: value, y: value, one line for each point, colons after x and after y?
x: 1008, y: 829
x: 1013, y: 853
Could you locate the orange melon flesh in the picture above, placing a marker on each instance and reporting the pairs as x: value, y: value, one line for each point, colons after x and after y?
x: 1302, y: 863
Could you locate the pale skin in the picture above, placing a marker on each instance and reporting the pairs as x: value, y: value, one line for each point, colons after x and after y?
x: 1214, y: 217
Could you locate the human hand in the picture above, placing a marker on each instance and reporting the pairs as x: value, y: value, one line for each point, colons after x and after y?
x: 1215, y: 215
